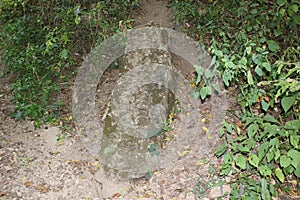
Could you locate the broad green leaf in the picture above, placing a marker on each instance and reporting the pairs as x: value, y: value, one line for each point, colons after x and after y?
x: 226, y: 78
x: 295, y: 156
x: 270, y: 156
x: 258, y: 71
x: 297, y: 171
x: 294, y: 8
x: 221, y: 150
x: 217, y: 88
x: 279, y: 174
x: 228, y: 158
x: 287, y: 103
x: 252, y: 130
x: 253, y: 160
x: 225, y: 169
x: 273, y: 46
x: 293, y: 124
x: 265, y: 170
x: 270, y: 118
x: 280, y: 2
x: 285, y: 161
x: 264, y: 105
x: 265, y: 194
x: 207, y: 73
x: 262, y: 150
x: 240, y: 161
x: 250, y: 78
x: 294, y: 139
x: 213, y: 61
x: 267, y: 66
x: 277, y: 154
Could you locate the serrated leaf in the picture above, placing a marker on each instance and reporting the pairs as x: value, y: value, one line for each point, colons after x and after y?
x: 270, y: 118
x: 287, y: 103
x: 273, y: 46
x: 285, y: 161
x: 279, y: 174
x: 262, y: 150
x: 221, y: 150
x: 253, y: 160
x: 265, y: 170
x: 265, y: 194
x: 250, y: 78
x: 240, y: 161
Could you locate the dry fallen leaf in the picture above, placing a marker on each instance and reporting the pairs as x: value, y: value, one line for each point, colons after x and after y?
x: 28, y: 183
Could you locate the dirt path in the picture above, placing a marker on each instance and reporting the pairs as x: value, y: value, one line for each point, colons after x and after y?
x: 51, y: 163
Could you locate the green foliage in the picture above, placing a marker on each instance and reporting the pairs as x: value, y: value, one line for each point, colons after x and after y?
x: 41, y: 42
x: 256, y: 47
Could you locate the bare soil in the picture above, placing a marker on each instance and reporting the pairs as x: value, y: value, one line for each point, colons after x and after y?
x: 51, y: 162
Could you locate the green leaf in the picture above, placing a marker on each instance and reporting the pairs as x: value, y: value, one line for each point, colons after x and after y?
x: 297, y: 171
x: 270, y: 156
x: 250, y: 78
x: 264, y: 105
x: 207, y: 73
x: 265, y: 170
x: 295, y: 156
x: 273, y: 46
x: 252, y: 130
x: 293, y: 124
x: 265, y: 194
x: 285, y: 161
x: 221, y: 150
x: 294, y: 139
x: 267, y: 66
x: 280, y: 2
x: 228, y: 158
x: 279, y: 174
x: 225, y: 169
x: 270, y: 118
x: 258, y: 71
x: 253, y: 160
x: 262, y: 150
x: 287, y: 103
x: 241, y: 161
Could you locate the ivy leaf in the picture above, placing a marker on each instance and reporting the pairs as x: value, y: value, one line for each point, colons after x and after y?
x: 273, y: 46
x: 250, y: 78
x: 265, y: 170
x: 253, y: 160
x: 221, y: 150
x: 241, y: 161
x: 285, y: 161
x: 279, y: 174
x: 287, y: 103
x: 265, y: 194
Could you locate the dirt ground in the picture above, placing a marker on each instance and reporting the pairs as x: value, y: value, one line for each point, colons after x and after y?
x: 51, y: 162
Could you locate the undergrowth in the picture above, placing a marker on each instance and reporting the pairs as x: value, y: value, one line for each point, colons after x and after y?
x: 42, y: 43
x: 255, y: 46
